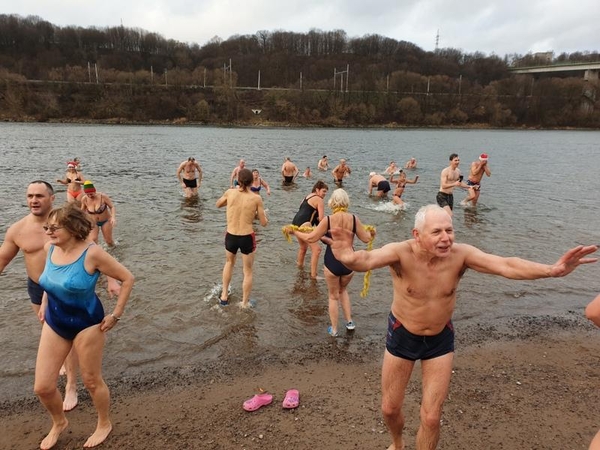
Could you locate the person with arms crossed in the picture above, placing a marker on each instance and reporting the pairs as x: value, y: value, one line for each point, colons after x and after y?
x: 242, y: 208
x: 425, y: 274
x: 186, y: 174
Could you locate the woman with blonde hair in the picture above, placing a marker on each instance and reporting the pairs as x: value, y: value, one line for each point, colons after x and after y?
x: 337, y: 276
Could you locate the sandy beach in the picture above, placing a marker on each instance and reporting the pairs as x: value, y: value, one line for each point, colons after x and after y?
x: 526, y: 384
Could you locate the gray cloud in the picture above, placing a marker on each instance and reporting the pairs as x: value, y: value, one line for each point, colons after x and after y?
x: 499, y: 27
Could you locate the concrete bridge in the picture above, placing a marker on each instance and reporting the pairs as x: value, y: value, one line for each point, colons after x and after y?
x: 590, y: 70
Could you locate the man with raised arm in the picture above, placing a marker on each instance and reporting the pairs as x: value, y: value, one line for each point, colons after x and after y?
x: 425, y: 274
x: 478, y: 169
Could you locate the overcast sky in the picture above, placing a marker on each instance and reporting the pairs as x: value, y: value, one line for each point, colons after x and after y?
x: 493, y: 26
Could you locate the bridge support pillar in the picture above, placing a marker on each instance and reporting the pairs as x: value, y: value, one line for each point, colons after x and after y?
x: 591, y: 74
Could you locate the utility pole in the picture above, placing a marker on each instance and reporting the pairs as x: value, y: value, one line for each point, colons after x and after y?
x: 96, y: 69
x: 89, y: 73
x: 300, y: 80
x: 205, y: 77
x: 258, y: 88
x: 225, y: 69
x: 341, y: 74
x: 166, y: 82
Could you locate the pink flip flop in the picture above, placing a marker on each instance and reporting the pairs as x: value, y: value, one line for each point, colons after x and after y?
x: 258, y: 401
x: 292, y: 399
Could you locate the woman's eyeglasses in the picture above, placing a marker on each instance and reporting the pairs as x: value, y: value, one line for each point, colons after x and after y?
x: 51, y: 228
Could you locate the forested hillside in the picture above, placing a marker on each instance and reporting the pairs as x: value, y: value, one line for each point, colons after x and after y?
x: 319, y: 78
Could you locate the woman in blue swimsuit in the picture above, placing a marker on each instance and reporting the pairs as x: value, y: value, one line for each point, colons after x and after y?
x: 337, y: 275
x: 102, y: 210
x: 73, y: 316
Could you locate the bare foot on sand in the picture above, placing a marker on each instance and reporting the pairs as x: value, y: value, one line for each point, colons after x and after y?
x: 99, y: 436
x: 392, y: 447
x: 70, y: 400
x: 52, y: 437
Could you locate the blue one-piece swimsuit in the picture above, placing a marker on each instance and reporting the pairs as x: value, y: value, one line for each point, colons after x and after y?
x: 73, y: 304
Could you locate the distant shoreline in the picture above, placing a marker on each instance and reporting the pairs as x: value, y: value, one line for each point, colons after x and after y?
x: 272, y: 124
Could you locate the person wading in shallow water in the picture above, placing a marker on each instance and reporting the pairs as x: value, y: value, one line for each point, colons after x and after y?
x: 243, y: 206
x: 186, y: 174
x: 425, y: 274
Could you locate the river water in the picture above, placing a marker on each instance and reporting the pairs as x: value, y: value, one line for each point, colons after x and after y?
x: 541, y: 199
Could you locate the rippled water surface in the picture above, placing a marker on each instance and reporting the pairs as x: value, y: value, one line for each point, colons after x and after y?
x: 542, y: 198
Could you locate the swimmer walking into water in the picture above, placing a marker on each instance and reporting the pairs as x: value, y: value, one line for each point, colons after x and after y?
x: 242, y: 207
x: 186, y: 174
x: 289, y: 171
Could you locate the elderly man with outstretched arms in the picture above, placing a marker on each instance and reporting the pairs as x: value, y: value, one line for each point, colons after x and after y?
x: 425, y: 274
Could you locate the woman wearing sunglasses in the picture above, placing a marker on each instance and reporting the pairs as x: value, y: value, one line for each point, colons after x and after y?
x: 73, y: 317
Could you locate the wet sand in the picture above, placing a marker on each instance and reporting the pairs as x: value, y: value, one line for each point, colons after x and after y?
x: 531, y: 383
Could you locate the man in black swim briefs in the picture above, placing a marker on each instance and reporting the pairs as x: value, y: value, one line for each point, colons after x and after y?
x: 449, y: 179
x: 243, y: 206
x: 289, y: 171
x: 379, y: 182
x: 186, y: 174
x: 478, y: 169
x: 425, y: 272
x: 28, y: 236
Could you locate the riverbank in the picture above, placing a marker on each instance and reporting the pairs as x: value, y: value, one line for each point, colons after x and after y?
x: 527, y: 383
x: 257, y: 123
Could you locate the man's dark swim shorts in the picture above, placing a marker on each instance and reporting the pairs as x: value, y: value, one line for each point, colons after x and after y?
x: 402, y: 343
x: 246, y: 244
x: 35, y: 292
x: 444, y: 199
x: 384, y: 186
x: 190, y: 183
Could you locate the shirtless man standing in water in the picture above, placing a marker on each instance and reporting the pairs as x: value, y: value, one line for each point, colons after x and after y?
x: 340, y: 171
x: 28, y: 236
x: 243, y: 206
x: 189, y: 182
x: 289, y: 171
x: 478, y: 169
x: 425, y: 273
x: 449, y: 179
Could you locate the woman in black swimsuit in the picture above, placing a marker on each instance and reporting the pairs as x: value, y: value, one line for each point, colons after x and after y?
x: 310, y: 213
x: 102, y: 210
x: 337, y: 275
